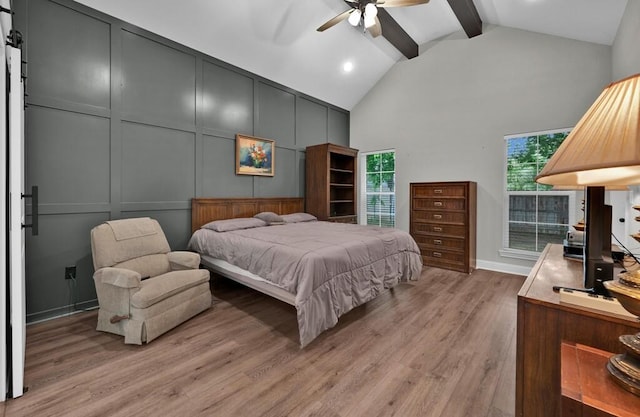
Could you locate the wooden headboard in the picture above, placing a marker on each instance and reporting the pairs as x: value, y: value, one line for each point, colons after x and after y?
x: 205, y: 210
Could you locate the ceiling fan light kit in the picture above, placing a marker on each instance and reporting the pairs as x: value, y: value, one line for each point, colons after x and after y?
x: 370, y: 11
x: 369, y: 21
x: 366, y: 12
x: 354, y: 17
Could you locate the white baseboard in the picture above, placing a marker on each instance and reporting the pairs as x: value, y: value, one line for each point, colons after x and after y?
x: 502, y: 267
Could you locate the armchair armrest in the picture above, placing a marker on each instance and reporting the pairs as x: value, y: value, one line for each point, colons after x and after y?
x: 118, y: 277
x: 180, y: 260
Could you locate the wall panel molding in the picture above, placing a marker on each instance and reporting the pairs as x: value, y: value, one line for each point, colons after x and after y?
x: 156, y: 205
x: 70, y: 106
x: 78, y: 208
x: 141, y: 119
x: 165, y: 118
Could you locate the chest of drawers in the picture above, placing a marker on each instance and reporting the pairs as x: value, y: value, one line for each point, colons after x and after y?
x: 443, y: 223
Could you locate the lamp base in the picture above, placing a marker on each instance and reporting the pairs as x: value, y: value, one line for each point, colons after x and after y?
x: 625, y: 370
x: 625, y: 367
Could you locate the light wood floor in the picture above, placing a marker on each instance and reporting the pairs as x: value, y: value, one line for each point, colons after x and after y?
x: 444, y: 346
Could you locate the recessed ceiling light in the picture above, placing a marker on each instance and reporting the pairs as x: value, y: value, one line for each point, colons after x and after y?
x: 347, y: 66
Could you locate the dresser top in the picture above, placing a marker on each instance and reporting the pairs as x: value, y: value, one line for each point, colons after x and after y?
x: 553, y: 269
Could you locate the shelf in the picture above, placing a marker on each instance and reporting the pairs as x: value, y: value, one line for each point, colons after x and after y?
x: 350, y: 171
x: 334, y: 184
x: 343, y: 218
x: 341, y: 201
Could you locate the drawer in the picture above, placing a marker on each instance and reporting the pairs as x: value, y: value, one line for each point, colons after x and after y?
x: 427, y: 243
x: 444, y: 255
x: 439, y: 216
x: 440, y: 203
x: 444, y: 190
x: 445, y: 264
x: 438, y: 229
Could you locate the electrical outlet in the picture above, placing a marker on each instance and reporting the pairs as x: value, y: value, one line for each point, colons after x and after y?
x: 70, y: 272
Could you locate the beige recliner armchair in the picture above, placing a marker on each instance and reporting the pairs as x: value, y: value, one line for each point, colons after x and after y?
x: 143, y: 288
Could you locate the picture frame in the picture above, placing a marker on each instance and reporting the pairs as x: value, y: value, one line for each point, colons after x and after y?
x: 255, y: 156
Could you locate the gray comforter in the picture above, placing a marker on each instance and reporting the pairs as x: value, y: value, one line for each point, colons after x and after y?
x: 329, y: 267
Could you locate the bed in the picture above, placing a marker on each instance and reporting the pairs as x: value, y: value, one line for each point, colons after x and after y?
x: 323, y: 269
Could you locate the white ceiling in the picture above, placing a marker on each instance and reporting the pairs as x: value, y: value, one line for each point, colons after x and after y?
x: 277, y: 39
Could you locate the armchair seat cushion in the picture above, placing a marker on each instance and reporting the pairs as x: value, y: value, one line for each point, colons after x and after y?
x: 158, y: 288
x: 148, y: 265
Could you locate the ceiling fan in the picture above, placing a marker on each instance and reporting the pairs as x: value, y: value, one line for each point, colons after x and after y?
x: 365, y: 13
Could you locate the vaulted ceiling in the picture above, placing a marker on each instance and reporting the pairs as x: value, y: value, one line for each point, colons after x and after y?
x: 277, y: 39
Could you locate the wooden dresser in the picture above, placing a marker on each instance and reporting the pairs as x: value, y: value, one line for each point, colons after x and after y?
x: 443, y: 223
x: 544, y: 323
x: 331, y: 182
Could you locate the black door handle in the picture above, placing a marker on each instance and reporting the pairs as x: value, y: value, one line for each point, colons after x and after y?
x: 34, y: 210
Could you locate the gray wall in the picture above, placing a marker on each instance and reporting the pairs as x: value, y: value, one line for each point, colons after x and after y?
x: 123, y: 123
x: 625, y: 51
x: 446, y: 113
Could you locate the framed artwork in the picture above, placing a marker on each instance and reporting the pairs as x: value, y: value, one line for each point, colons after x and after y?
x: 255, y: 156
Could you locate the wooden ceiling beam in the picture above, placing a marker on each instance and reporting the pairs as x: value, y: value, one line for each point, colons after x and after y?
x: 394, y: 33
x: 468, y: 16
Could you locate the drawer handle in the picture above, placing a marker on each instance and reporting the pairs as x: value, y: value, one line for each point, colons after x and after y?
x: 437, y: 254
x: 437, y: 191
x: 437, y: 229
x: 437, y: 203
x: 437, y: 241
x: 437, y: 216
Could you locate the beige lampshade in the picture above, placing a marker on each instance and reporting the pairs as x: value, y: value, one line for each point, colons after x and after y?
x: 604, y: 147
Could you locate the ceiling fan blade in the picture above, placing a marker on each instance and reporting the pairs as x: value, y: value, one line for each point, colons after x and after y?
x: 376, y: 30
x: 339, y: 18
x: 400, y: 3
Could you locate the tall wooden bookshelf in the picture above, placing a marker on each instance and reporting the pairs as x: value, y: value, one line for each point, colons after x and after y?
x: 331, y: 182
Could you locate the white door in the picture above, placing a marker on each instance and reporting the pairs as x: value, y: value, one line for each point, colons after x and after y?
x: 16, y: 220
x: 3, y: 222
x: 619, y: 201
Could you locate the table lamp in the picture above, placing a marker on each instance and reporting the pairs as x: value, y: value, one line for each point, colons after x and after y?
x: 603, y: 150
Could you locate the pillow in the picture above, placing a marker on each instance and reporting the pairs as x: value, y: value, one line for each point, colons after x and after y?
x: 298, y: 217
x: 234, y: 224
x: 269, y: 217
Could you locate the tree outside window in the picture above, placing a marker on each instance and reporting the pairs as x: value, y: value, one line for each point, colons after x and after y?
x: 536, y: 214
x: 380, y: 189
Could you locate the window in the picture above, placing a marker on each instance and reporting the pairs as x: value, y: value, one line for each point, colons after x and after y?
x: 535, y: 213
x: 379, y: 188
